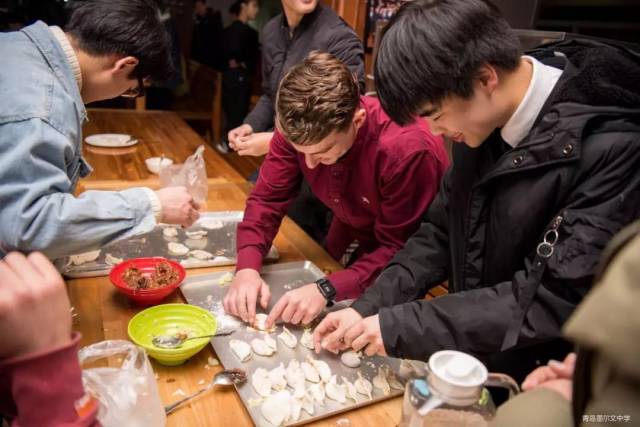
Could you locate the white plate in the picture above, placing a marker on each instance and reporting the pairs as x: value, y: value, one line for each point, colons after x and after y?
x: 111, y: 140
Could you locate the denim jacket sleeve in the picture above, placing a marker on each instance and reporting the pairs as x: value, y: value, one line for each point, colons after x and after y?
x: 39, y: 168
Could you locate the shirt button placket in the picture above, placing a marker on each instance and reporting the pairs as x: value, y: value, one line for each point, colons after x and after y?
x: 335, y: 185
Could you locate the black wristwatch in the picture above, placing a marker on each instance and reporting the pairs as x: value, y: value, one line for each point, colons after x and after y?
x: 327, y: 290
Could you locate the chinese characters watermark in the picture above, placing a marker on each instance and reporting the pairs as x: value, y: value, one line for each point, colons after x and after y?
x: 603, y: 418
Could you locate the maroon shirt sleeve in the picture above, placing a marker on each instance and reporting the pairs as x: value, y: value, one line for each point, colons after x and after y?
x: 409, y: 186
x: 277, y: 186
x: 45, y: 389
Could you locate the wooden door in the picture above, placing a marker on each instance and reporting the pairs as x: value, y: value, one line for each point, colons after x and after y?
x: 352, y: 11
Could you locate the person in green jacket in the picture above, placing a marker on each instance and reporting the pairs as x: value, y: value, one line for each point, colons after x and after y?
x: 599, y: 386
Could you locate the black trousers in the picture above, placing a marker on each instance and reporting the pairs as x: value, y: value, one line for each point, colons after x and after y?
x: 311, y: 214
x: 236, y: 96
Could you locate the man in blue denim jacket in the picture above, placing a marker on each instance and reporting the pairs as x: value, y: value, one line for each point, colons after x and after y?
x: 110, y: 47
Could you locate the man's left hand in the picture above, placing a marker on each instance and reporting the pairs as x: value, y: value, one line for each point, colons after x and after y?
x: 366, y: 333
x: 300, y: 305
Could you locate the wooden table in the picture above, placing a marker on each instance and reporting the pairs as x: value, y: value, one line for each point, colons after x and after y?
x: 103, y: 314
x: 159, y: 132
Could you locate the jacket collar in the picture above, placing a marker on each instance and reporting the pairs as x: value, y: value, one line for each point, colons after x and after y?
x: 543, y: 80
x: 70, y: 54
x: 304, y: 22
x: 41, y: 35
x: 549, y: 141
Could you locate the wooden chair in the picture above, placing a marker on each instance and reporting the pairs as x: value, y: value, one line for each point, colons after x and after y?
x: 521, y: 14
x: 532, y: 38
x: 203, y: 102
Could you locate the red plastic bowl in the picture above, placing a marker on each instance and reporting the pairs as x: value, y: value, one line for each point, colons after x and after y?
x: 145, y: 297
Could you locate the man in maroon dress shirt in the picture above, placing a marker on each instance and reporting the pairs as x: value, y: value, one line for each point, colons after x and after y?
x: 377, y: 177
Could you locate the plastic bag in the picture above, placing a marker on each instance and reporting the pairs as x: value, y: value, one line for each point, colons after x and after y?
x: 191, y: 174
x: 128, y: 394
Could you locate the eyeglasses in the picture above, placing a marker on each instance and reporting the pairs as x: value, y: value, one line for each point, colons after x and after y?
x: 136, y: 92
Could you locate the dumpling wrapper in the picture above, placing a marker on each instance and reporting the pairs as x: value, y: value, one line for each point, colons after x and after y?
x: 277, y: 408
x: 196, y: 235
x: 351, y: 359
x: 287, y: 338
x: 310, y: 372
x: 84, y: 257
x: 322, y: 367
x: 201, y: 255
x: 177, y: 249
x: 261, y: 348
x: 261, y: 382
x: 210, y: 223
x: 364, y: 386
x: 240, y: 349
x: 380, y: 381
x: 169, y: 232
x: 335, y: 391
x: 277, y: 377
x: 307, y: 339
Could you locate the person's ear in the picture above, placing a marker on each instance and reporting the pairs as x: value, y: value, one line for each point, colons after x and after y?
x: 359, y: 118
x: 487, y: 79
x: 125, y: 65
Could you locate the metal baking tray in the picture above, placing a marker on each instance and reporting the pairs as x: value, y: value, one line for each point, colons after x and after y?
x: 207, y: 291
x: 219, y: 241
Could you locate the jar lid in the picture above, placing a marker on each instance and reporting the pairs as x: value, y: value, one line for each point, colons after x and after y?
x: 458, y: 369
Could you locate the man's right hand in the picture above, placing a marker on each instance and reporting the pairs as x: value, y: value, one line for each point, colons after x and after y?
x: 239, y: 132
x: 556, y: 376
x: 34, y: 308
x: 178, y: 206
x: 329, y: 334
x: 243, y: 294
x: 255, y: 145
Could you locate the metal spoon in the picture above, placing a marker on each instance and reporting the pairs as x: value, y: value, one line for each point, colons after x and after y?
x: 174, y: 341
x: 230, y: 377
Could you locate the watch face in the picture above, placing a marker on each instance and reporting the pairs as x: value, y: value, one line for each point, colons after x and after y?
x: 326, y: 288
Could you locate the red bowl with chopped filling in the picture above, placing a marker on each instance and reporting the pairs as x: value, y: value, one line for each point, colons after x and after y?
x: 147, y: 281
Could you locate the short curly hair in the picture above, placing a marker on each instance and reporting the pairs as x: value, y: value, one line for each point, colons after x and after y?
x: 316, y: 97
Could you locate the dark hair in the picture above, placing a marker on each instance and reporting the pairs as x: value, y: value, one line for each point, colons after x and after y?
x: 432, y: 49
x: 126, y: 27
x: 316, y: 97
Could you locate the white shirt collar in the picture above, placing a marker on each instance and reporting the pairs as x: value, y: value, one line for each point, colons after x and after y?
x: 61, y: 37
x: 543, y: 80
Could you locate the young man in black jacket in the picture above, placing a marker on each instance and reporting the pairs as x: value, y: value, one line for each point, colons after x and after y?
x: 545, y: 171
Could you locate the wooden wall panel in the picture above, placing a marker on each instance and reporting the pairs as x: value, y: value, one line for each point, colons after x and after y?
x: 352, y: 11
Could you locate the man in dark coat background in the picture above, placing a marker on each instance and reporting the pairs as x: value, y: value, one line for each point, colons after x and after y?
x: 207, y: 36
x: 546, y: 170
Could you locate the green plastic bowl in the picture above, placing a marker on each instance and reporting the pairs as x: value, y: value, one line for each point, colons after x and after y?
x: 167, y: 319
